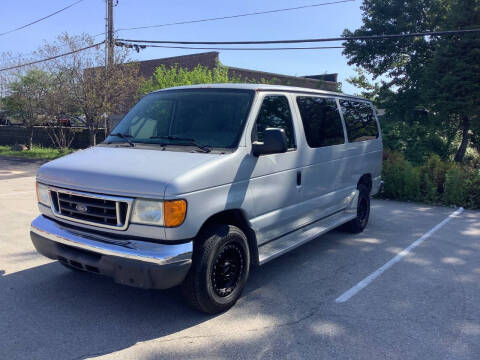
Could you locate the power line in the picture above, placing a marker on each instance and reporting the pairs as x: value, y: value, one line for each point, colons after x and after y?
x: 52, y: 57
x: 139, y: 47
x: 41, y: 19
x: 134, y: 43
x: 36, y: 52
x: 250, y: 49
x: 235, y: 16
x: 364, y: 37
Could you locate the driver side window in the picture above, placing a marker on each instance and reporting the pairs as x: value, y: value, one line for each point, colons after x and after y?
x: 274, y: 113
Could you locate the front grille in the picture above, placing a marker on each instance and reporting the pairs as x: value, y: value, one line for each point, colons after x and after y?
x: 99, y: 210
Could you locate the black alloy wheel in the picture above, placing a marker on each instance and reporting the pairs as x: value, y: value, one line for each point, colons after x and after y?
x: 220, y: 269
x: 227, y: 269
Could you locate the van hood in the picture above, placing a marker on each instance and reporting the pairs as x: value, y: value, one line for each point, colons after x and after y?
x: 120, y: 170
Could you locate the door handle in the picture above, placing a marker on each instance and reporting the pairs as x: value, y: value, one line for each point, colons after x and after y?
x: 299, y: 178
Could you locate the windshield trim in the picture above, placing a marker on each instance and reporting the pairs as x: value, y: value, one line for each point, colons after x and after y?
x: 167, y: 147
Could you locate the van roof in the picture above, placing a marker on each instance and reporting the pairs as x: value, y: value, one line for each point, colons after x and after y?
x: 262, y: 87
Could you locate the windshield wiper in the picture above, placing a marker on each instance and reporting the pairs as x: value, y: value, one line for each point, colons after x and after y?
x: 183, y: 142
x: 124, y: 137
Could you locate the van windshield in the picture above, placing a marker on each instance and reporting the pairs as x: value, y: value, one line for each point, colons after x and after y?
x: 207, y: 117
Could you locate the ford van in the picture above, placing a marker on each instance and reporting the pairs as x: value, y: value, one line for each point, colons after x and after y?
x: 199, y: 184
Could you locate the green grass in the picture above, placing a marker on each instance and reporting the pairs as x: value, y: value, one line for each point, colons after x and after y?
x: 36, y: 152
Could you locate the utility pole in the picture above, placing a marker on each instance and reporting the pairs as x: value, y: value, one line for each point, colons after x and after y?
x: 109, y: 46
x: 109, y: 43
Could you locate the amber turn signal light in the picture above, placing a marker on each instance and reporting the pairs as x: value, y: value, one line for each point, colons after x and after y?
x: 174, y: 212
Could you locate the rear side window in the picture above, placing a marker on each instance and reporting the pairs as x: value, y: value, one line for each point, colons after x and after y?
x: 321, y: 121
x: 274, y: 113
x: 359, y: 120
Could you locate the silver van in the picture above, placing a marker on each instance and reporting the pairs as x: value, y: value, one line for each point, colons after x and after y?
x: 197, y: 184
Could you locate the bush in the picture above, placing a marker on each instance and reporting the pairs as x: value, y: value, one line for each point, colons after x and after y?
x: 474, y: 193
x: 435, y: 182
x: 401, y: 178
x: 456, y: 186
x: 432, y: 175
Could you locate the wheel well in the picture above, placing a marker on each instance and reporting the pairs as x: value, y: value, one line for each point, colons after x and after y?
x: 237, y: 218
x: 366, y: 180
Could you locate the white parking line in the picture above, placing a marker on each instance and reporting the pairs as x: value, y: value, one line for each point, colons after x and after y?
x: 13, y: 193
x: 365, y: 282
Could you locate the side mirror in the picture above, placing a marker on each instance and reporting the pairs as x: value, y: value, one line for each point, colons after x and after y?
x: 274, y: 142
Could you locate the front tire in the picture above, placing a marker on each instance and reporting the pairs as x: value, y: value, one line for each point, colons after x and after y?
x: 358, y: 224
x: 220, y: 268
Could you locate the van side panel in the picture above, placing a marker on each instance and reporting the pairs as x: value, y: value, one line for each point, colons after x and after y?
x: 365, y: 157
x: 274, y: 183
x: 326, y: 187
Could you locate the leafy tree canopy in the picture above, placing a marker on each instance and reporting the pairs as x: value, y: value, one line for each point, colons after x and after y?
x: 176, y: 76
x: 438, y: 74
x: 165, y: 77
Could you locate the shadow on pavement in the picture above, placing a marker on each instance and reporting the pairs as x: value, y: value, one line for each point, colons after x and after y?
x: 60, y: 313
x: 287, y: 310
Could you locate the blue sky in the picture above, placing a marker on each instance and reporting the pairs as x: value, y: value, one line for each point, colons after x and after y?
x: 88, y: 16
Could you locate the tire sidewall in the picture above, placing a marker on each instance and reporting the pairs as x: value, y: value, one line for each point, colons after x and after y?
x: 211, y: 249
x: 363, y: 196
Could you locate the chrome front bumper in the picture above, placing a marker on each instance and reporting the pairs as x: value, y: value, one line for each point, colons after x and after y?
x: 132, y: 262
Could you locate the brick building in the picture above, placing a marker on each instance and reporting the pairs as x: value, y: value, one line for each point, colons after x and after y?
x: 210, y: 59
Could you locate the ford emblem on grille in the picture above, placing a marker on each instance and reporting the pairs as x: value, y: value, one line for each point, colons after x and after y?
x: 81, y: 207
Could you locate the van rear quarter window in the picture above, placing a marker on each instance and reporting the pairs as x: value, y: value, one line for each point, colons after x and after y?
x: 359, y: 120
x: 321, y: 121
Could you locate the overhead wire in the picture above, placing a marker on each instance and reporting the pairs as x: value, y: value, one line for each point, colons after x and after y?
x: 295, y: 41
x: 41, y: 19
x: 143, y: 46
x: 51, y: 57
x: 36, y: 52
x: 235, y: 16
x: 137, y: 43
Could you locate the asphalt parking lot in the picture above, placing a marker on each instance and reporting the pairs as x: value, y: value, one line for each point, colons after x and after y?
x: 426, y: 305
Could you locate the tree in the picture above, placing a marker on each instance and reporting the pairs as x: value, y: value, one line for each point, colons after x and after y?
x: 411, y: 64
x: 95, y: 91
x: 374, y: 91
x: 27, y: 99
x: 164, y: 77
x: 452, y: 76
x: 60, y: 103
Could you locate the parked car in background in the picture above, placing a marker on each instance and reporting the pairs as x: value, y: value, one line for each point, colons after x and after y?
x: 63, y: 120
x: 70, y: 121
x: 197, y: 184
x: 4, y: 119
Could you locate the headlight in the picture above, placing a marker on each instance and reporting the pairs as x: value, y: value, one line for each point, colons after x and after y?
x: 43, y: 196
x: 169, y: 213
x: 147, y: 212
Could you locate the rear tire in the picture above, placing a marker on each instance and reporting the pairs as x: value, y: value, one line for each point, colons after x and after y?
x: 220, y: 268
x: 358, y: 224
